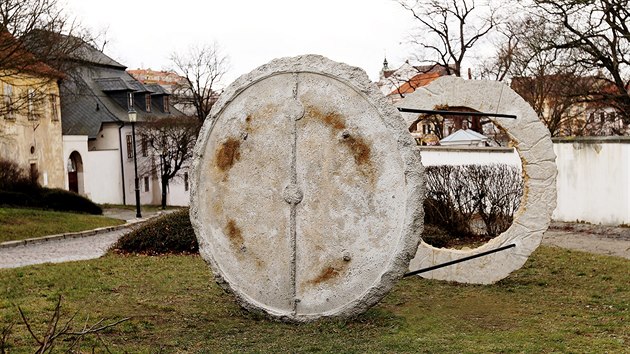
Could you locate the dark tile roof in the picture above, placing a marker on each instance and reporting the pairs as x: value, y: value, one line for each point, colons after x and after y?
x: 82, y: 110
x: 89, y: 100
x: 91, y: 55
x: 113, y: 84
x: 156, y: 89
x: 137, y: 86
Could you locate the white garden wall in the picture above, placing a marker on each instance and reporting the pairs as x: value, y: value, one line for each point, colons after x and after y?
x: 444, y: 155
x: 593, y: 180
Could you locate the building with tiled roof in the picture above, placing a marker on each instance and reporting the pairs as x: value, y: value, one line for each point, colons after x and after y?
x: 396, y: 83
x: 96, y: 101
x: 167, y: 79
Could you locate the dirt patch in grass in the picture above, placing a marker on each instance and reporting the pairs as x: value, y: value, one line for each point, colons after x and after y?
x: 19, y: 224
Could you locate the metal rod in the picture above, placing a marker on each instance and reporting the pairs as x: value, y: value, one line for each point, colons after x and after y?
x: 455, y: 113
x: 446, y: 264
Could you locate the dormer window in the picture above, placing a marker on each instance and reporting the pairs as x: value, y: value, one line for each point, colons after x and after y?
x: 130, y: 100
x: 147, y: 101
x: 166, y: 104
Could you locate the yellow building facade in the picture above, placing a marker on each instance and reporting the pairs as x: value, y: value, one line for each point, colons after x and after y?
x: 30, y: 125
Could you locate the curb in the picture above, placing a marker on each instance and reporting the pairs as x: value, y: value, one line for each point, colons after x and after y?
x: 79, y: 234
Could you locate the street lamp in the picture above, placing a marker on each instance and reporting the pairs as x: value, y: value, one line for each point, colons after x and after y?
x: 132, y: 118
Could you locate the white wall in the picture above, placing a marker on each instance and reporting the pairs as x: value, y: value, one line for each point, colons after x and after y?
x: 444, y: 155
x: 102, y: 181
x: 178, y: 195
x: 593, y: 180
x: 102, y: 176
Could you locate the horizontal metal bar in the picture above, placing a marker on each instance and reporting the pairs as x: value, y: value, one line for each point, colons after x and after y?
x: 464, y: 259
x: 455, y: 113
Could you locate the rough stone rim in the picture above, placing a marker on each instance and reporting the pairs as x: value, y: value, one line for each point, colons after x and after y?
x: 533, y: 142
x: 358, y: 80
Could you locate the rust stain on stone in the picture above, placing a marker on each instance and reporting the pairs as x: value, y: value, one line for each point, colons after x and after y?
x: 360, y: 149
x: 228, y: 154
x: 248, y: 123
x: 357, y: 145
x: 235, y: 236
x: 329, y: 273
x: 335, y: 120
x: 233, y: 232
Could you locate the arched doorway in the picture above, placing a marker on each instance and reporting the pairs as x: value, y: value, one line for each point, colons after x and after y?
x: 75, y: 173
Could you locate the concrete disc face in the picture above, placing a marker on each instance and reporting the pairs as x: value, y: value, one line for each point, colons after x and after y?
x: 307, y: 194
x: 533, y: 142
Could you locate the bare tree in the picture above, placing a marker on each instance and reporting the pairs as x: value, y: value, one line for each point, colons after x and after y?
x: 449, y: 29
x: 569, y: 60
x: 34, y: 42
x: 203, y: 67
x: 597, y: 34
x: 171, y: 140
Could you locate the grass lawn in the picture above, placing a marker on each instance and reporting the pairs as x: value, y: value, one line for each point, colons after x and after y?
x: 560, y: 301
x: 19, y: 224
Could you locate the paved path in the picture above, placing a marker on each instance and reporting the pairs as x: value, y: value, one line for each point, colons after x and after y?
x: 607, y: 240
x: 60, y: 250
x: 57, y: 250
x: 583, y: 237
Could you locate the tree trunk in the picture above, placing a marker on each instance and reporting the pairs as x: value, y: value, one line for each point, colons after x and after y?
x: 164, y: 187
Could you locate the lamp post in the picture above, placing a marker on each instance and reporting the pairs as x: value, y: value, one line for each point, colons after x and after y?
x: 132, y: 119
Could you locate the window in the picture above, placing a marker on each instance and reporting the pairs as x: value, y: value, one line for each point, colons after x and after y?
x: 54, y: 107
x: 146, y: 183
x: 31, y: 104
x: 145, y: 146
x: 129, y: 146
x: 167, y: 108
x: 130, y: 100
x: 186, y: 181
x: 147, y: 102
x: 8, y: 101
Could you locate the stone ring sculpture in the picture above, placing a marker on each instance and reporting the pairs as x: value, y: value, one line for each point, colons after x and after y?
x: 533, y: 142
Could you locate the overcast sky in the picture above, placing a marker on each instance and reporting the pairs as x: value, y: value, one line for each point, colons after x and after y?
x: 143, y: 33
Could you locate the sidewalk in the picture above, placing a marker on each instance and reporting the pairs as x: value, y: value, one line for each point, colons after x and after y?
x: 73, y: 246
x: 123, y: 214
x: 599, y: 239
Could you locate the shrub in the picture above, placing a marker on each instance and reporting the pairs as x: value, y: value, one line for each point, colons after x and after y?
x: 17, y: 199
x: 171, y: 233
x: 19, y: 189
x: 16, y: 179
x: 63, y: 200
x: 456, y: 195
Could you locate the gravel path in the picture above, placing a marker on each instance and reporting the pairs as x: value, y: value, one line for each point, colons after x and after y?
x: 60, y: 250
x: 607, y: 240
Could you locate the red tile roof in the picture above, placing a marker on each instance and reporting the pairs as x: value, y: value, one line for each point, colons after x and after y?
x: 415, y: 82
x: 13, y: 56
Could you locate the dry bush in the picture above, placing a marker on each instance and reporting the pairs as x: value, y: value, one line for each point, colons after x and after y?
x: 458, y: 194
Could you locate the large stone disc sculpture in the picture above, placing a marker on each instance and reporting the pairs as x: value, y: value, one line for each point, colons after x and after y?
x: 307, y: 193
x: 532, y: 140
